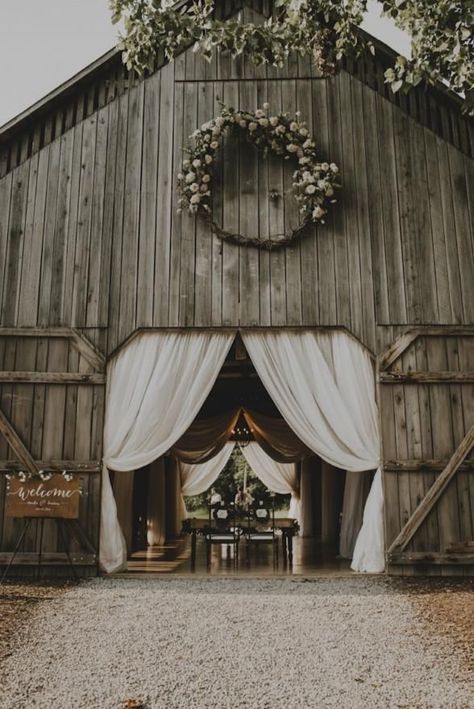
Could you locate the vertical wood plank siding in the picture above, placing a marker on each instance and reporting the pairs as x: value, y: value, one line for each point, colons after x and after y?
x: 55, y: 422
x: 428, y: 422
x: 90, y: 237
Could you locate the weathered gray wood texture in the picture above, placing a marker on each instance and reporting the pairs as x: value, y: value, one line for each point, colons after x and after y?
x: 60, y: 425
x: 90, y: 238
x: 107, y: 78
x: 425, y: 424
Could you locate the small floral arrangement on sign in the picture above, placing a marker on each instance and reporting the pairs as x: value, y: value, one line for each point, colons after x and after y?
x: 314, y: 182
x: 43, y: 475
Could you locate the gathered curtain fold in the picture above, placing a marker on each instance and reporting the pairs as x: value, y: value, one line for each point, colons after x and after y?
x: 276, y: 438
x: 323, y: 385
x: 205, y: 438
x: 277, y: 477
x: 155, y: 388
x: 199, y: 477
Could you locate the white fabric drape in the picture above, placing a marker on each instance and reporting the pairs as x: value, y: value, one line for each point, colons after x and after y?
x: 356, y: 490
x: 198, y: 477
x: 323, y: 385
x: 155, y: 388
x: 278, y: 477
x: 113, y: 548
x: 369, y: 549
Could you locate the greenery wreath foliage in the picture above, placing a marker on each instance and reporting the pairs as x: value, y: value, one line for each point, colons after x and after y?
x: 314, y: 182
x: 440, y: 32
x: 324, y: 28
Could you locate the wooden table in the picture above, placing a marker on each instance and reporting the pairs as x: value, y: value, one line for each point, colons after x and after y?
x: 285, y: 525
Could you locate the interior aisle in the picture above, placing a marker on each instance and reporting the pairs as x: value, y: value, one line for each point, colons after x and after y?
x: 309, y: 559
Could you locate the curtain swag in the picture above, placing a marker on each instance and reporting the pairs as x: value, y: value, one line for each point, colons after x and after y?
x: 322, y: 384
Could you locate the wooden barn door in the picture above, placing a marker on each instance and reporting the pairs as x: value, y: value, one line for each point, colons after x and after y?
x: 426, y: 389
x: 51, y: 417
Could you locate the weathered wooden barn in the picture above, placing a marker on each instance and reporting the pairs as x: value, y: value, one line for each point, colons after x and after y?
x: 92, y: 249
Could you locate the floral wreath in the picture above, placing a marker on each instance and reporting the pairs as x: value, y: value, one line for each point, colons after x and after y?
x: 314, y: 183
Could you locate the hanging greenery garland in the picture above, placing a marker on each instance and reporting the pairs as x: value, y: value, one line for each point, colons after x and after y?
x: 314, y: 182
x: 324, y: 29
x: 440, y: 32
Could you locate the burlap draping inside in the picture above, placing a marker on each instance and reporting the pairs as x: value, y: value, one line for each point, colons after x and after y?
x: 276, y: 438
x: 322, y: 383
x: 205, y: 438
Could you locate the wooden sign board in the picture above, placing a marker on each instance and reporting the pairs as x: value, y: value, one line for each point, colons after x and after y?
x: 55, y: 497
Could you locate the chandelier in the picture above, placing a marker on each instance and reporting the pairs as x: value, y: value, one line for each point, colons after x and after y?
x: 242, y: 434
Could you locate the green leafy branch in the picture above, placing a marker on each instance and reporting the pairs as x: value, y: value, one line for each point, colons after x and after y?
x: 442, y: 42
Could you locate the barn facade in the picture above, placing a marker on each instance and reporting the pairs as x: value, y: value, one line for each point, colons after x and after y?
x: 93, y: 250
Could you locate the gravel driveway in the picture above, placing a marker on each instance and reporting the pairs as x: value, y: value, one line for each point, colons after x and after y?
x: 276, y: 644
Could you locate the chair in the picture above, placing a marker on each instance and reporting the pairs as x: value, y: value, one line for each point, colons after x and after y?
x: 222, y: 529
x: 261, y: 529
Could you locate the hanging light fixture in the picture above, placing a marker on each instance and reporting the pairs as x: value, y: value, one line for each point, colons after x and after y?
x: 242, y: 434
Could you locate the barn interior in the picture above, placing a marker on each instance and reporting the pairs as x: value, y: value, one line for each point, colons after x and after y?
x: 148, y: 499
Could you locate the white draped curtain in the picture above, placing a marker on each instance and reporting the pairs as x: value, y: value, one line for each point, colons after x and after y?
x: 277, y: 477
x: 323, y: 385
x: 199, y: 477
x: 155, y: 388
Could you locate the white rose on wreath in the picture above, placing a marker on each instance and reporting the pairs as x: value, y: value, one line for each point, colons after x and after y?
x: 314, y: 183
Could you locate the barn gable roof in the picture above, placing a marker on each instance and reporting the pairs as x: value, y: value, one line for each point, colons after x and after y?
x: 436, y: 108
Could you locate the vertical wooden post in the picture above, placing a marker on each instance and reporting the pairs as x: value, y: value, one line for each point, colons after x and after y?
x: 310, y: 497
x: 332, y: 482
x: 172, y: 497
x: 156, y: 503
x: 123, y: 492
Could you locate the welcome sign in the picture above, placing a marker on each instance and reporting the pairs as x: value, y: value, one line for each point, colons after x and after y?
x: 55, y: 497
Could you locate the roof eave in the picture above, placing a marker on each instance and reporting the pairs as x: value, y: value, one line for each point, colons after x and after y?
x: 59, y: 93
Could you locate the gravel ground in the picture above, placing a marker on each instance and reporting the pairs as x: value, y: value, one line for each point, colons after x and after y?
x: 445, y: 607
x: 260, y: 644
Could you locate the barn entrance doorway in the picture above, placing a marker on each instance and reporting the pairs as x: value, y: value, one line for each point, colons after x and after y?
x: 307, y: 489
x: 321, y: 383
